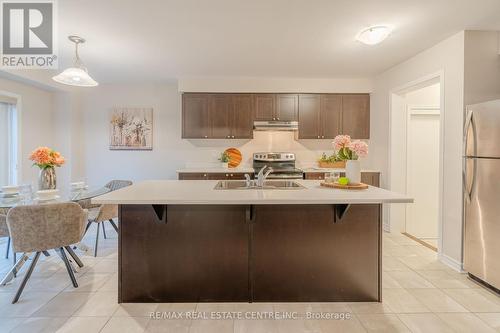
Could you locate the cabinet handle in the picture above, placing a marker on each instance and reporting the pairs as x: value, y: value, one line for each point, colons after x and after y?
x: 232, y: 136
x: 227, y: 175
x: 274, y: 118
x: 206, y: 136
x: 204, y: 175
x: 318, y: 136
x: 277, y: 118
x: 322, y: 136
x: 231, y: 175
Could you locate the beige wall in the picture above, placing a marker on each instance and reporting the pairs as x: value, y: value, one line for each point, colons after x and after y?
x: 446, y: 58
x: 482, y: 66
x: 426, y: 96
x: 170, y: 152
x: 268, y: 84
x: 36, y: 123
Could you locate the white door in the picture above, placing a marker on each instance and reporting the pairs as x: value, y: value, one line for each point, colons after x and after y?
x: 423, y: 173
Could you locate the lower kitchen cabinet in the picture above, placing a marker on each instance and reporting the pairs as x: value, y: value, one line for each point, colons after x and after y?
x: 370, y: 178
x: 213, y: 176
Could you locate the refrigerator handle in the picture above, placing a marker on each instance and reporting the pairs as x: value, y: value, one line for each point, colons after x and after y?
x: 468, y: 187
x: 468, y: 123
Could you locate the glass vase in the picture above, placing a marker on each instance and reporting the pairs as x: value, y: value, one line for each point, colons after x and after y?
x: 47, y: 179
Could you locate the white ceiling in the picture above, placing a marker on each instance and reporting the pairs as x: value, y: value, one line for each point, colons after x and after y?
x: 157, y: 40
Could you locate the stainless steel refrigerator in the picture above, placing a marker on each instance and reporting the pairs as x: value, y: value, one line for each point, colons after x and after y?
x: 481, y: 169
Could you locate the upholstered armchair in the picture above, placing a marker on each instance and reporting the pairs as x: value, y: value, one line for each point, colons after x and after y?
x: 102, y: 213
x: 40, y: 228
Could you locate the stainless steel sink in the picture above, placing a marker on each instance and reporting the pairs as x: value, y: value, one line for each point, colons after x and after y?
x: 268, y: 185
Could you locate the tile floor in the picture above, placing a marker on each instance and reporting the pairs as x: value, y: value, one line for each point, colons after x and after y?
x: 420, y: 295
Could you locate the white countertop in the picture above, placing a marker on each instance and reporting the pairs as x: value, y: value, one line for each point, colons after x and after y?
x: 216, y: 170
x: 202, y: 192
x: 251, y: 170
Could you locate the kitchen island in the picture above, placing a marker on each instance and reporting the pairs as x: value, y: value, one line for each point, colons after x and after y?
x: 185, y: 241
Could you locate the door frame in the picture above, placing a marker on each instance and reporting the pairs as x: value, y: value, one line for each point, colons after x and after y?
x: 432, y: 110
x: 396, y: 106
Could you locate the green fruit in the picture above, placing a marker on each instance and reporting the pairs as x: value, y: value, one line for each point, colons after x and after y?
x: 343, y: 180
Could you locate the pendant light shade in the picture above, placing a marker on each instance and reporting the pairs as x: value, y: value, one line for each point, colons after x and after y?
x: 78, y: 74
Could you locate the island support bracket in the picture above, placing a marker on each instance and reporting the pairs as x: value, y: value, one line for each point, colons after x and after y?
x: 161, y: 213
x: 339, y: 211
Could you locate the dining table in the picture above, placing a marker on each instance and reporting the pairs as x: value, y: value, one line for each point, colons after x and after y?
x: 81, y: 196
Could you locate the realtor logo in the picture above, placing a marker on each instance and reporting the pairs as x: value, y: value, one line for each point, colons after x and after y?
x: 28, y: 35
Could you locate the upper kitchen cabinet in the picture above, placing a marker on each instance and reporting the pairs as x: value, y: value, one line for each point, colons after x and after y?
x: 324, y: 116
x: 195, y: 118
x: 356, y: 115
x: 242, y: 117
x: 217, y: 116
x: 286, y: 107
x: 265, y: 106
x: 270, y: 107
x: 319, y: 116
x: 220, y: 111
x: 331, y: 115
x: 309, y: 116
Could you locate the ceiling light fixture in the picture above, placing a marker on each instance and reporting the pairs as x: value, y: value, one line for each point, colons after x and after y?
x: 78, y: 74
x: 374, y: 35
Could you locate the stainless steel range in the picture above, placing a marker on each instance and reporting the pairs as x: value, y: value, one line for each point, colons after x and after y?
x: 282, y: 165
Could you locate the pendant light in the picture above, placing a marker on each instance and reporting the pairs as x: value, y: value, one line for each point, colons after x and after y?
x: 78, y: 74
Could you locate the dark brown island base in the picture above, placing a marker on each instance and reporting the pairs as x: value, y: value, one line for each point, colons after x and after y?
x: 249, y: 253
x: 224, y: 241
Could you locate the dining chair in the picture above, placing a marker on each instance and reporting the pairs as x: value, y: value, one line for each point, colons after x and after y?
x: 4, y: 232
x: 39, y: 228
x: 105, y: 213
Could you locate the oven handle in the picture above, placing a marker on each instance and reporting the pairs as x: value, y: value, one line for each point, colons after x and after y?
x: 271, y: 176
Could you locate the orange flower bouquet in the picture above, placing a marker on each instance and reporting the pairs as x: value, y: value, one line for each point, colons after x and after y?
x: 44, y: 157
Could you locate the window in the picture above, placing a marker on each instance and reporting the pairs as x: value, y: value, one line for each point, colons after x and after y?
x: 8, y: 141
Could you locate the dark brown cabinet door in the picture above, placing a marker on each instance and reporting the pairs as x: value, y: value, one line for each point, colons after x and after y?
x: 195, y: 118
x: 265, y: 105
x: 309, y: 116
x: 356, y: 116
x: 371, y: 178
x: 314, y: 175
x: 330, y: 118
x: 185, y: 259
x: 192, y: 176
x: 220, y: 113
x: 296, y: 257
x: 242, y: 117
x: 286, y: 107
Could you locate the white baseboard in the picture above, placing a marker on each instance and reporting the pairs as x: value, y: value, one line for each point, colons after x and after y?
x: 386, y: 226
x: 450, y: 262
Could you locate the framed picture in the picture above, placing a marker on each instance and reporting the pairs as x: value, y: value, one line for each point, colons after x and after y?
x: 131, y: 129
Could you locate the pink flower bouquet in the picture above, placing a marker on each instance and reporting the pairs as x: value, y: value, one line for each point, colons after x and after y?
x: 349, y: 150
x: 44, y: 157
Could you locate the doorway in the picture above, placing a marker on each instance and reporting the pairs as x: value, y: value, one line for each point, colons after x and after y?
x: 422, y: 170
x: 416, y: 159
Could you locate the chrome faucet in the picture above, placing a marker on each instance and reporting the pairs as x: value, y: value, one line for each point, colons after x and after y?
x: 261, y: 176
x: 248, y: 180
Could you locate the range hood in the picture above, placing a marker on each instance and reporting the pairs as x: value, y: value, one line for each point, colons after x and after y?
x: 275, y: 125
